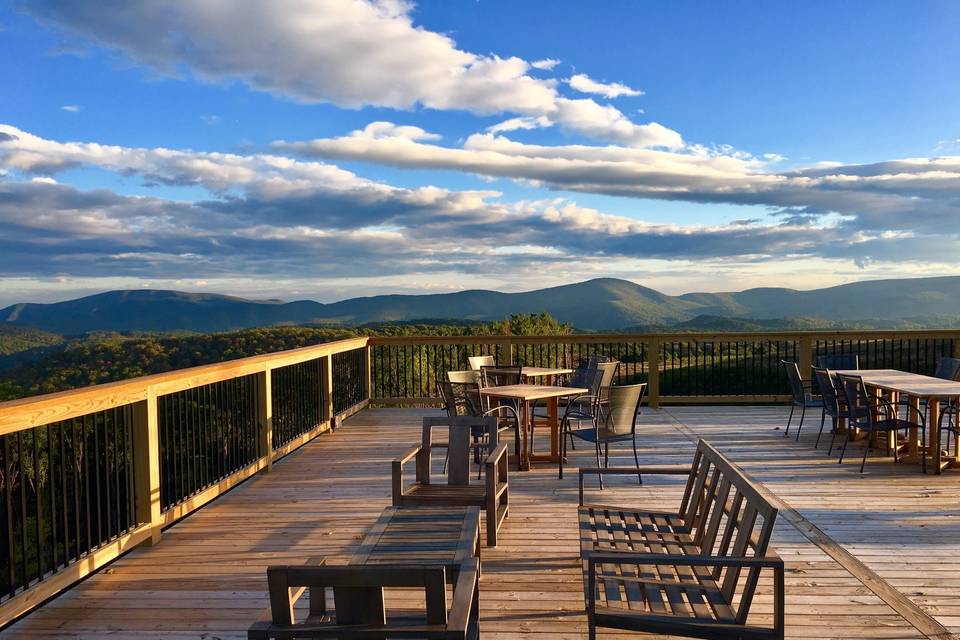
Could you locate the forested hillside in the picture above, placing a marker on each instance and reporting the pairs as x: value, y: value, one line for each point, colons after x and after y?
x: 108, y: 357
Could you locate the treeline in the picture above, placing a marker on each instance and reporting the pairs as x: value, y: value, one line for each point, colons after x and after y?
x: 101, y: 358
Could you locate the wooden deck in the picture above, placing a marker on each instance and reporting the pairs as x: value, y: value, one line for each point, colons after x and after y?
x: 874, y: 556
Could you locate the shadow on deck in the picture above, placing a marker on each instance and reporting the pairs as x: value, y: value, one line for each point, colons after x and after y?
x: 875, y: 556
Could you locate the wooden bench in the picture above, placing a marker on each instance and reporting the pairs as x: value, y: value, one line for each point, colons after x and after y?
x: 359, y: 610
x: 693, y: 572
x: 492, y: 495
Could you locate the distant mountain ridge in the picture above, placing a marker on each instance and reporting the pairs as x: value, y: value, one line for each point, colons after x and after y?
x: 599, y: 304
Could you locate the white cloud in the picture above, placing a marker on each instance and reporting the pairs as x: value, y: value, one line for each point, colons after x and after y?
x: 514, y: 124
x: 585, y: 84
x: 380, y: 129
x: 72, y: 108
x: 352, y: 53
x: 547, y: 64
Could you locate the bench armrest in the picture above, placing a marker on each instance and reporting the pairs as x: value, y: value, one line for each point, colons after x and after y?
x: 666, y: 469
x: 397, y: 472
x: 769, y: 561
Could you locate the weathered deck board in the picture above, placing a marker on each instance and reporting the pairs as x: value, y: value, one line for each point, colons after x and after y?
x: 206, y: 579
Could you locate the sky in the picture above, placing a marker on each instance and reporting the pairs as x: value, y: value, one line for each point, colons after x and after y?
x: 328, y: 149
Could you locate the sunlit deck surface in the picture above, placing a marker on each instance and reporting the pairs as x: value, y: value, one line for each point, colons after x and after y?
x: 874, y: 555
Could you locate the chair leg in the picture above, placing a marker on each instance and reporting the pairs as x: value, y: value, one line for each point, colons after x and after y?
x: 787, y: 431
x: 636, y: 459
x: 803, y: 412
x: 866, y: 450
x: 597, y: 447
x: 606, y: 454
x: 823, y: 418
x: 833, y: 435
x: 844, y: 449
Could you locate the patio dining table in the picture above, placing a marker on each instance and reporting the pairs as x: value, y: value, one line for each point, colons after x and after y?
x: 915, y: 387
x: 547, y: 374
x: 524, y: 394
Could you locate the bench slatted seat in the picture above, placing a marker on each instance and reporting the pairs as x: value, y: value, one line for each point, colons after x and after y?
x: 690, y: 573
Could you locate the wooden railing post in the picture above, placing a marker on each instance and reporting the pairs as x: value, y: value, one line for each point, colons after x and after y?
x: 805, y: 357
x: 265, y: 418
x: 505, y: 347
x: 368, y: 368
x: 329, y: 393
x: 146, y: 465
x: 653, y: 373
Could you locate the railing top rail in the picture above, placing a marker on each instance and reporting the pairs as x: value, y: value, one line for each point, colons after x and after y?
x: 25, y: 413
x: 666, y: 337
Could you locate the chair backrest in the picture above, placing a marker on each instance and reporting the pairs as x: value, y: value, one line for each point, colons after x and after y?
x: 460, y: 430
x: 461, y: 398
x: 948, y: 369
x: 621, y: 409
x: 609, y: 370
x: 727, y: 517
x: 582, y: 376
x: 859, y: 402
x: 838, y: 361
x: 796, y: 382
x: 464, y: 376
x: 358, y: 600
x: 476, y: 362
x: 825, y: 381
x: 500, y: 376
x: 595, y: 359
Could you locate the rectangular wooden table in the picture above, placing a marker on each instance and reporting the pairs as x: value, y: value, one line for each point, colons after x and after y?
x: 916, y: 387
x: 548, y: 374
x: 525, y: 394
x: 445, y: 536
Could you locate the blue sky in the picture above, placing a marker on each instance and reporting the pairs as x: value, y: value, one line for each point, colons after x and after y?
x: 342, y: 147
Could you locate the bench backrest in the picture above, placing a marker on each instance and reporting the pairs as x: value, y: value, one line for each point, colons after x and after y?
x: 727, y: 517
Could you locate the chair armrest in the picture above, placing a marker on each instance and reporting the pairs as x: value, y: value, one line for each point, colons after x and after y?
x: 397, y: 472
x: 461, y: 609
x: 666, y: 469
x: 496, y: 455
x: 408, y: 456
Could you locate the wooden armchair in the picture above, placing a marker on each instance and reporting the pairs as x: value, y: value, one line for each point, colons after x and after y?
x: 359, y: 610
x: 492, y: 495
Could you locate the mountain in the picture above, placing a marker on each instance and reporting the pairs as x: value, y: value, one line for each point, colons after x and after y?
x: 604, y: 303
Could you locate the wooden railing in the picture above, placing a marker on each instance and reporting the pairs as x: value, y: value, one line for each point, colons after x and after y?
x: 680, y: 368
x: 88, y: 474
